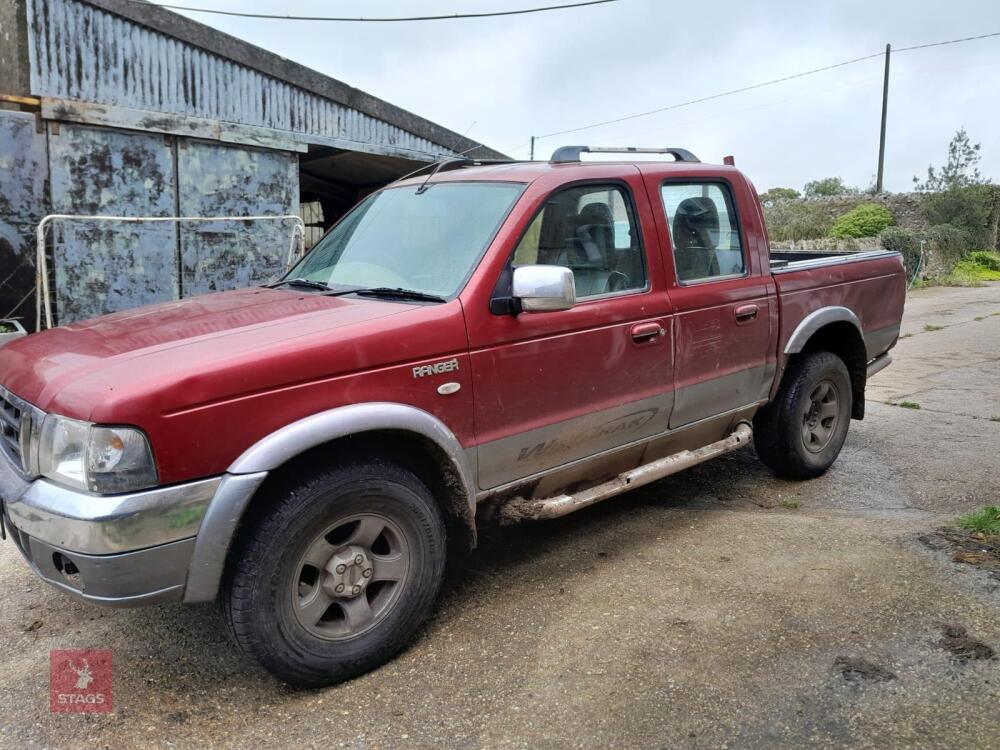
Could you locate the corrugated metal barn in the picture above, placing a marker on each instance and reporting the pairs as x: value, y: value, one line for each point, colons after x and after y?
x: 113, y: 107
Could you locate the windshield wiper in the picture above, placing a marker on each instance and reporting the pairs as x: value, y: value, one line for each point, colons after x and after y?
x: 307, y: 283
x: 398, y: 293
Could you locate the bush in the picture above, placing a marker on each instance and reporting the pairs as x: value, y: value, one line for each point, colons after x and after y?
x: 986, y: 259
x: 968, y: 208
x: 794, y: 221
x: 945, y: 243
x: 866, y: 220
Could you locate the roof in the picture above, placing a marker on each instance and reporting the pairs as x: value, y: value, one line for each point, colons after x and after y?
x: 239, y: 51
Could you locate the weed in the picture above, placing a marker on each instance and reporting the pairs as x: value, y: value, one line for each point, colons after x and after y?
x: 995, y: 418
x: 907, y: 404
x: 985, y: 520
x: 980, y: 317
x: 790, y: 504
x: 931, y: 327
x: 906, y: 335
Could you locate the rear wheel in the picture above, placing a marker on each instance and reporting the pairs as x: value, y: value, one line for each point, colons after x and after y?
x: 801, y: 432
x: 336, y: 576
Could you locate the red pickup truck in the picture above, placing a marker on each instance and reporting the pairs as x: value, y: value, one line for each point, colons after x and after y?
x: 503, y: 340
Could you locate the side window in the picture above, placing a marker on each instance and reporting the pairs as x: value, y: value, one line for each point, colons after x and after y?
x: 592, y: 230
x: 704, y: 231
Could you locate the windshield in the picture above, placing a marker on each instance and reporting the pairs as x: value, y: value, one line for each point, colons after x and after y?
x: 397, y: 238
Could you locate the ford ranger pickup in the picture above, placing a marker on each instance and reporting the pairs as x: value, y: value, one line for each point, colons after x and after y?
x: 479, y: 342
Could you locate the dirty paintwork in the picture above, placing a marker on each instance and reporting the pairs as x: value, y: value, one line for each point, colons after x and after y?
x: 23, y: 171
x: 81, y: 52
x: 107, y: 267
x: 217, y: 180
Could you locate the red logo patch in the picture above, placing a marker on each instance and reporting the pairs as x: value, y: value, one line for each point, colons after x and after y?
x: 80, y: 681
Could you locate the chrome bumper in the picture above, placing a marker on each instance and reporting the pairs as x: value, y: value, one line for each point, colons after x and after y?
x: 126, y: 550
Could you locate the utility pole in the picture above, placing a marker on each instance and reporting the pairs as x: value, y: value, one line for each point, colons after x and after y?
x: 885, y: 109
x: 532, y: 157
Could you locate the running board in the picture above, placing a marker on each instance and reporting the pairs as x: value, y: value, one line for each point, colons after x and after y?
x: 519, y: 509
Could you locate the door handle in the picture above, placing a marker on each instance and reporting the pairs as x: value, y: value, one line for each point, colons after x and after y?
x: 746, y: 313
x: 646, y: 331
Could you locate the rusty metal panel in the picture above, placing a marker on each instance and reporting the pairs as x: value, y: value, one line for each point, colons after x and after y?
x: 81, y: 52
x: 23, y: 173
x: 219, y: 180
x: 105, y: 267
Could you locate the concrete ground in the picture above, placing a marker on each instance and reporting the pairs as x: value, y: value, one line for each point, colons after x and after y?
x: 719, y: 608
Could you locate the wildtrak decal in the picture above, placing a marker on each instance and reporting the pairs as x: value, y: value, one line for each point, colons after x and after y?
x: 437, y: 368
x: 628, y: 423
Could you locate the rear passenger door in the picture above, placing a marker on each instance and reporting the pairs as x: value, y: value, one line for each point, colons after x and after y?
x: 555, y: 387
x: 719, y: 290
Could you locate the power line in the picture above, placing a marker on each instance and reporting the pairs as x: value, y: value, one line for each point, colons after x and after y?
x: 950, y: 41
x: 765, y: 83
x: 712, y: 96
x: 450, y: 17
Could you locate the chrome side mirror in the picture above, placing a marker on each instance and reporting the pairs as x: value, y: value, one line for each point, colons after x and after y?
x: 544, y: 288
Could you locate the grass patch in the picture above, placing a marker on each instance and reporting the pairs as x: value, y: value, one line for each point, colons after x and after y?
x: 980, y: 317
x: 789, y: 504
x: 906, y: 335
x: 930, y: 327
x: 995, y: 418
x: 985, y: 520
x: 907, y: 404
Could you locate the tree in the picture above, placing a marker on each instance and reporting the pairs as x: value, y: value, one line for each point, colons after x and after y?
x: 778, y: 194
x: 828, y: 187
x: 958, y: 195
x: 960, y: 171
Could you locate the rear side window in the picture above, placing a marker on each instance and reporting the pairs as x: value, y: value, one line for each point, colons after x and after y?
x: 704, y: 230
x: 590, y: 229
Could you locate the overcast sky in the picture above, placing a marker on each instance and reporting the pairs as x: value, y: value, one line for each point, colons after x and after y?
x: 500, y: 80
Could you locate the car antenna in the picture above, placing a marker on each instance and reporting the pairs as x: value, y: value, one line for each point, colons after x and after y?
x: 437, y: 168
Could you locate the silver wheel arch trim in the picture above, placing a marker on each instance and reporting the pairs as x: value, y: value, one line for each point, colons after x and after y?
x: 247, y: 473
x: 818, y: 319
x: 279, y: 447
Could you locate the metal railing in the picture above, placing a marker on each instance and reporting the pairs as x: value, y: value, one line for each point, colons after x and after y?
x: 43, y: 297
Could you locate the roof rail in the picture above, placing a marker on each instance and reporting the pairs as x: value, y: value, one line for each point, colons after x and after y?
x: 567, y: 154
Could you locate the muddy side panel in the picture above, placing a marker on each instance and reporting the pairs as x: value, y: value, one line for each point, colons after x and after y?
x: 220, y: 180
x: 23, y: 171
x: 103, y: 267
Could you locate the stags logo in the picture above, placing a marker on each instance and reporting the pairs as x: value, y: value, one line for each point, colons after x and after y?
x: 80, y: 681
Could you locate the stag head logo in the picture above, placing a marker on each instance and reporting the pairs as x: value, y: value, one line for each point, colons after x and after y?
x: 83, y: 675
x: 80, y: 681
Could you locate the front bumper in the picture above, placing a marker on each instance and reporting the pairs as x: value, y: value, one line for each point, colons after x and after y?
x: 124, y: 550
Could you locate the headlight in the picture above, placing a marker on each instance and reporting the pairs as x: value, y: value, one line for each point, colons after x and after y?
x: 95, y: 458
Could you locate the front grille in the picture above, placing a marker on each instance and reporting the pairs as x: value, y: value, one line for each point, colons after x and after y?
x: 19, y: 423
x: 10, y: 428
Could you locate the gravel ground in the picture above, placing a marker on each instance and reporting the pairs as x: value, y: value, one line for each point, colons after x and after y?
x: 719, y: 608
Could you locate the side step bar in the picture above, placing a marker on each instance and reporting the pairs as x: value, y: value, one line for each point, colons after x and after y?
x: 520, y: 509
x: 878, y: 364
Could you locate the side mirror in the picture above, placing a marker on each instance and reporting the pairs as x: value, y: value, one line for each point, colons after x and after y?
x: 544, y: 288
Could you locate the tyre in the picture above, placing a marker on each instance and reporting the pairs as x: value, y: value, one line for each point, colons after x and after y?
x: 800, y: 433
x: 338, y: 573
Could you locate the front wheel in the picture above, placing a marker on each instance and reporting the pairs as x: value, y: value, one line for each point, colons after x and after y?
x: 800, y: 434
x: 338, y: 574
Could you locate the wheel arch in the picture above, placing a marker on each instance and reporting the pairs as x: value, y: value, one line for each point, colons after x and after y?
x: 406, y: 435
x: 836, y: 330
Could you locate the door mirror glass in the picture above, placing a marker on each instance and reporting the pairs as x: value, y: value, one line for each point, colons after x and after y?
x: 544, y: 288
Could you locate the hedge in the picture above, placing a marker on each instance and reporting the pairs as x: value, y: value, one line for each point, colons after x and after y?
x: 943, y: 247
